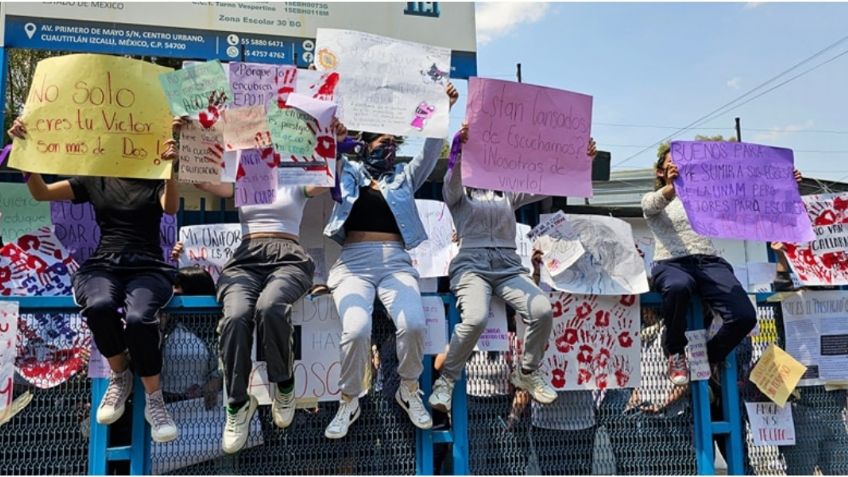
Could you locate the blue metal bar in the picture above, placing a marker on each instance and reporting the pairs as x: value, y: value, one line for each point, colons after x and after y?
x: 459, y: 404
x: 4, y: 70
x: 721, y: 427
x: 704, y: 449
x: 140, y: 452
x: 424, y: 457
x: 731, y: 411
x: 98, y: 442
x: 442, y: 437
x: 119, y: 453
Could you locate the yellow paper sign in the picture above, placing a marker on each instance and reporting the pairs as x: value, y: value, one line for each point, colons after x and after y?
x: 777, y: 373
x: 95, y: 115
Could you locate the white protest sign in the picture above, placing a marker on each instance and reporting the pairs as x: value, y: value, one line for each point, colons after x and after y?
x: 524, y: 246
x: 696, y: 355
x: 389, y: 86
x: 201, y: 152
x: 9, y: 312
x: 209, y: 246
x: 432, y: 258
x: 771, y: 425
x: 437, y: 326
x: 559, y: 243
x: 611, y: 264
x: 496, y: 335
x: 816, y: 326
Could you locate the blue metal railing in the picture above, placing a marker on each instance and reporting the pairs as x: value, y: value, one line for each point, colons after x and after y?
x: 138, y: 452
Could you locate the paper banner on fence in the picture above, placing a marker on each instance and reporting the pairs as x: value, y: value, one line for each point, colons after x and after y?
x: 611, y: 264
x: 740, y: 191
x: 771, y: 425
x: 399, y: 90
x: 824, y: 261
x: 816, y: 324
x: 255, y: 84
x: 317, y: 365
x: 48, y: 262
x: 209, y: 246
x: 696, y: 355
x: 52, y: 348
x: 9, y: 311
x: 19, y: 212
x: 523, y: 245
x: 527, y: 138
x: 432, y: 258
x: 95, y: 115
x: 437, y: 327
x: 559, y: 243
x: 189, y: 89
x: 256, y: 181
x: 201, y: 152
x: 245, y: 128
x: 496, y: 335
x: 320, y: 85
x: 321, y: 111
x: 22, y: 274
x: 776, y: 374
x: 76, y: 227
x: 595, y: 342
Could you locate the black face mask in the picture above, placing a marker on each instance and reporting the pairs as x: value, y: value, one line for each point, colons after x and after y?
x: 380, y: 161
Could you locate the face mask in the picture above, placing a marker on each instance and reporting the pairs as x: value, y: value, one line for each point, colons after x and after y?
x: 380, y: 160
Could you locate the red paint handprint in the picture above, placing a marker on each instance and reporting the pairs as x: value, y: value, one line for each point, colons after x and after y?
x: 327, y: 87
x: 285, y: 86
x: 628, y: 300
x: 601, y: 379
x: 602, y: 319
x: 623, y: 324
x: 585, y: 309
x: 212, y: 114
x: 604, y: 344
x: 567, y: 334
x: 262, y: 140
x: 558, y: 368
x: 621, y: 364
x: 561, y: 303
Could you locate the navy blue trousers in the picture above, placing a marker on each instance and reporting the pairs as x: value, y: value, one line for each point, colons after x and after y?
x: 712, y: 279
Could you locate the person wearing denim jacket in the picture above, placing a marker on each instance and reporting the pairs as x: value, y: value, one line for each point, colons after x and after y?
x: 376, y: 222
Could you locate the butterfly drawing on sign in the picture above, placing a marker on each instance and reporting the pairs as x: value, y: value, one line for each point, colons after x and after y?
x: 434, y: 75
x: 423, y: 112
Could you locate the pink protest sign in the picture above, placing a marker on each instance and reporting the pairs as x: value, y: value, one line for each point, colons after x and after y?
x: 738, y: 190
x: 526, y: 138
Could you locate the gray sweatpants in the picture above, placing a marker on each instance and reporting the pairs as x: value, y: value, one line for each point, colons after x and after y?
x: 478, y: 273
x: 258, y: 286
x: 365, y: 270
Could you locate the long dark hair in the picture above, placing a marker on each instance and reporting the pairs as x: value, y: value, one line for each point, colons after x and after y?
x: 662, y: 151
x: 195, y: 281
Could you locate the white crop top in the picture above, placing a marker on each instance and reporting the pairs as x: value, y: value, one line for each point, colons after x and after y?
x: 282, y: 215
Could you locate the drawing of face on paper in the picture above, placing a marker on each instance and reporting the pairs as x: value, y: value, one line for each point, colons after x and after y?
x: 433, y: 75
x: 423, y: 112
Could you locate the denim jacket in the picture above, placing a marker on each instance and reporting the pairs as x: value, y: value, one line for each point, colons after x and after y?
x: 398, y: 189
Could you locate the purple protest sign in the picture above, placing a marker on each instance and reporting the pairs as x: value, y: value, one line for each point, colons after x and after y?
x: 76, y: 227
x: 255, y: 84
x: 256, y: 180
x: 740, y: 191
x: 526, y: 138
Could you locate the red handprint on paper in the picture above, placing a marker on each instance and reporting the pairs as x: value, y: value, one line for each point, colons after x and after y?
x: 567, y: 334
x: 327, y: 87
x: 285, y: 86
x: 628, y: 300
x: 602, y: 319
x: 585, y: 352
x: 601, y: 379
x: 561, y: 303
x: 212, y: 114
x: 585, y: 309
x: 621, y: 364
x: 558, y: 367
x: 604, y: 343
x: 623, y: 324
x: 262, y: 140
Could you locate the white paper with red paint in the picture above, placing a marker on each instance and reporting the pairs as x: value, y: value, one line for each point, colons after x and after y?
x: 433, y: 256
x: 595, y: 342
x: 824, y: 261
x: 9, y: 311
x: 771, y: 425
x: 696, y: 355
x: 318, y: 84
x: 245, y: 128
x: 201, y: 152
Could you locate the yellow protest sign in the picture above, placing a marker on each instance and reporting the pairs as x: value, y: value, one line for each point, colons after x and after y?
x: 95, y: 115
x: 777, y: 373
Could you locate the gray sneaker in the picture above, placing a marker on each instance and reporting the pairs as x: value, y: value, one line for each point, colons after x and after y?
x: 282, y: 409
x: 112, y: 405
x: 162, y: 426
x: 440, y: 398
x: 535, y: 384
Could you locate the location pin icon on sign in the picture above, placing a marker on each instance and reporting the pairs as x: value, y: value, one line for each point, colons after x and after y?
x: 30, y: 28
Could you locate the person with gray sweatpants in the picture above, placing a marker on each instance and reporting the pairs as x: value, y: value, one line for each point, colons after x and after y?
x: 487, y: 264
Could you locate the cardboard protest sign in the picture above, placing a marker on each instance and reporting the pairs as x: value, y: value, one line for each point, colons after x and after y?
x: 256, y: 180
x: 390, y: 86
x: 595, y: 343
x: 201, y: 152
x: 189, y: 89
x: 256, y: 84
x: 8, y: 348
x: 209, y: 246
x: 611, y: 265
x: 19, y: 212
x: 771, y: 425
x: 432, y: 258
x: 823, y: 261
x: 776, y: 374
x: 741, y: 191
x: 95, y: 115
x: 527, y: 138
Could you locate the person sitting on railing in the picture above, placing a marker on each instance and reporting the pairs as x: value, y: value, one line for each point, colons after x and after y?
x: 487, y: 264
x: 268, y: 272
x: 376, y: 222
x: 686, y: 263
x: 126, y: 271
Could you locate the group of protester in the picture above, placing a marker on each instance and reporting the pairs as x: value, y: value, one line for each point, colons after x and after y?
x: 123, y: 286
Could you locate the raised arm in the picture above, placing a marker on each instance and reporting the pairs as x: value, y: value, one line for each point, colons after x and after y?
x: 40, y: 190
x: 452, y: 187
x: 655, y: 202
x: 423, y: 164
x: 170, y: 199
x: 341, y: 135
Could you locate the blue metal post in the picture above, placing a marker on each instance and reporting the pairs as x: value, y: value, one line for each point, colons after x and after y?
x: 98, y: 439
x: 424, y: 455
x: 140, y: 447
x: 730, y: 406
x: 4, y: 69
x: 459, y: 405
x: 704, y: 449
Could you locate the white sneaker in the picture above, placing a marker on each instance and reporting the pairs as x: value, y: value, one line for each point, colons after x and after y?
x: 237, y: 427
x: 535, y: 384
x: 347, y: 414
x: 282, y: 409
x: 162, y: 426
x: 440, y: 399
x: 408, y: 396
x: 112, y: 405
